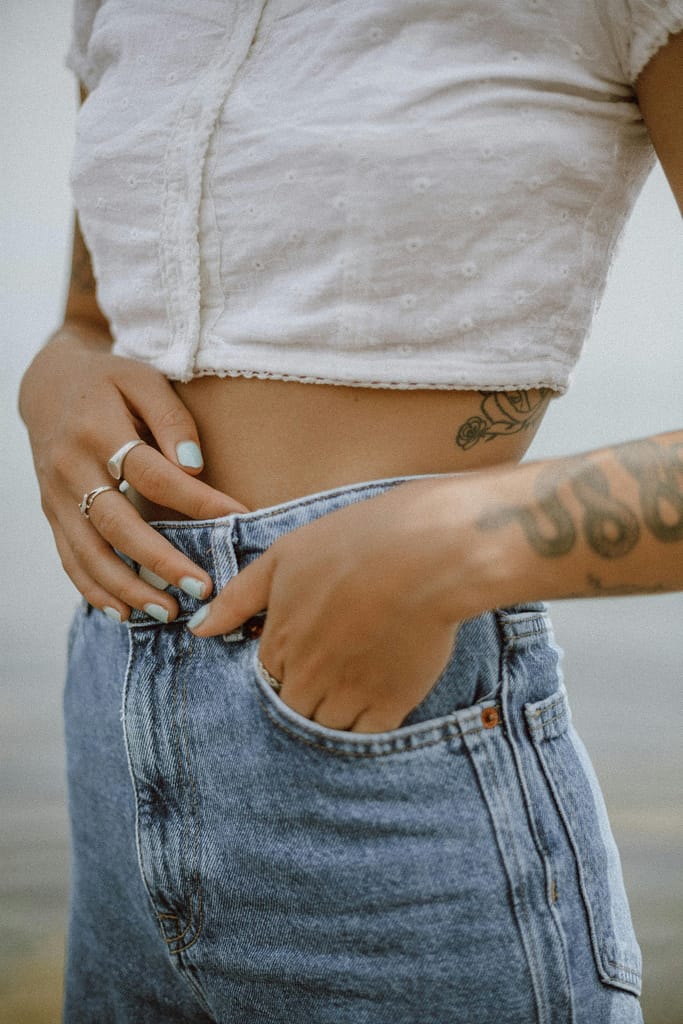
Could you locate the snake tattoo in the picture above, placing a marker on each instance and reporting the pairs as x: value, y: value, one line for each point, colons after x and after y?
x: 609, y: 526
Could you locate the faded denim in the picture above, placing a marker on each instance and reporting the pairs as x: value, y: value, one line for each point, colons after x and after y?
x: 235, y: 862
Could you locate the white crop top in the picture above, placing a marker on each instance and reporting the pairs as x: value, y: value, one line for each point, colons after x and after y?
x: 390, y: 193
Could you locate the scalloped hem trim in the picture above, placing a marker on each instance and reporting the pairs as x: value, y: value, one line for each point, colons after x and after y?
x: 395, y: 385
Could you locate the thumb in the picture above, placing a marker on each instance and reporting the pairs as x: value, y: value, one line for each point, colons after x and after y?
x: 242, y: 597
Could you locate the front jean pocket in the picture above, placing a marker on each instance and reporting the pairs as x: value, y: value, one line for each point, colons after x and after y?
x: 405, y: 739
x: 576, y: 793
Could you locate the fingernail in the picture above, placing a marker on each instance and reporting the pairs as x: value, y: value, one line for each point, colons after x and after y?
x: 124, y: 486
x: 188, y: 454
x: 157, y: 612
x: 191, y: 586
x: 151, y: 577
x: 198, y: 616
x: 112, y: 613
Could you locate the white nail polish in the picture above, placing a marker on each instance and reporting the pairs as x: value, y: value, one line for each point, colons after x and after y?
x: 151, y: 577
x: 188, y: 454
x: 112, y: 613
x: 192, y: 586
x: 158, y: 582
x: 157, y: 612
x: 198, y: 617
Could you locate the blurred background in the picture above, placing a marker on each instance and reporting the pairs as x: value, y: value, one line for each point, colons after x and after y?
x: 623, y: 662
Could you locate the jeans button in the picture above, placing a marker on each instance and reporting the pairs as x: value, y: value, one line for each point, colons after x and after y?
x: 253, y: 627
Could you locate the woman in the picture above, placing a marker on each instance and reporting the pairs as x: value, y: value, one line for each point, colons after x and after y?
x: 363, y: 243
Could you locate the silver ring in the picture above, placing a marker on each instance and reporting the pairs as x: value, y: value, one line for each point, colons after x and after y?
x: 115, y: 463
x: 85, y: 504
x: 276, y: 684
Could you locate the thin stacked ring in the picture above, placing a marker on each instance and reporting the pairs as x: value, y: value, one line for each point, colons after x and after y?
x: 88, y: 498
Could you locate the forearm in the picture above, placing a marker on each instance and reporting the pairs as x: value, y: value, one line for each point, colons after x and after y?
x: 608, y: 522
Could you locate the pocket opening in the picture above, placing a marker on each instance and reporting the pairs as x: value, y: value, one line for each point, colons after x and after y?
x: 403, y: 740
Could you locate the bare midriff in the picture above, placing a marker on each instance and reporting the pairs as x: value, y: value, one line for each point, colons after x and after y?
x: 269, y: 441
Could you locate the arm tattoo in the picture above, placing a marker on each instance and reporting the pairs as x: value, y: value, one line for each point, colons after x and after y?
x: 503, y: 413
x: 659, y: 472
x: 560, y: 538
x: 609, y: 527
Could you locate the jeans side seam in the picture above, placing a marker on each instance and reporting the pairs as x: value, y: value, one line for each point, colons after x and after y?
x: 597, y: 942
x: 533, y: 830
x: 523, y: 912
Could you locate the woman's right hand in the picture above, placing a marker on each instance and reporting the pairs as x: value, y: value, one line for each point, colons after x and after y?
x: 81, y: 404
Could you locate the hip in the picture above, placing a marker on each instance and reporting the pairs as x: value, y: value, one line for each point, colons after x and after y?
x: 269, y: 441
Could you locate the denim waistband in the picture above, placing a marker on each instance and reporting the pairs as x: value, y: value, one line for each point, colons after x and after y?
x: 225, y: 545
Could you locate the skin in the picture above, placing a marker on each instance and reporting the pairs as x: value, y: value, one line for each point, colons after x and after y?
x: 396, y: 572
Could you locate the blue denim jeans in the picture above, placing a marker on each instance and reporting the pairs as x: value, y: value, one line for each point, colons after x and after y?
x: 235, y: 862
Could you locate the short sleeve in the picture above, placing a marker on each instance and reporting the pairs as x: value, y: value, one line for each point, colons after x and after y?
x: 82, y: 20
x: 640, y: 28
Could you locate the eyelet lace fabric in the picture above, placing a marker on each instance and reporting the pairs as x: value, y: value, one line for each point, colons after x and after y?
x: 392, y: 194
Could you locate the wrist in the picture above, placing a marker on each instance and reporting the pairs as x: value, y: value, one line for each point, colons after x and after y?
x: 476, y: 568
x: 71, y: 340
x: 81, y: 333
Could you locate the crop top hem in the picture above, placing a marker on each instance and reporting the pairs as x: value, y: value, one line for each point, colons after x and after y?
x: 459, y: 385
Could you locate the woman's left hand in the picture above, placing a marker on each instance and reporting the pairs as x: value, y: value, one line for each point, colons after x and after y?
x: 355, y: 628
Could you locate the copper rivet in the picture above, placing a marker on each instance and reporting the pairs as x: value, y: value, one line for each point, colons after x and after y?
x: 253, y: 628
x: 490, y: 718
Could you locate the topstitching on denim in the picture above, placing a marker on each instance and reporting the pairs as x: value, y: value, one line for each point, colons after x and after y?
x: 254, y: 822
